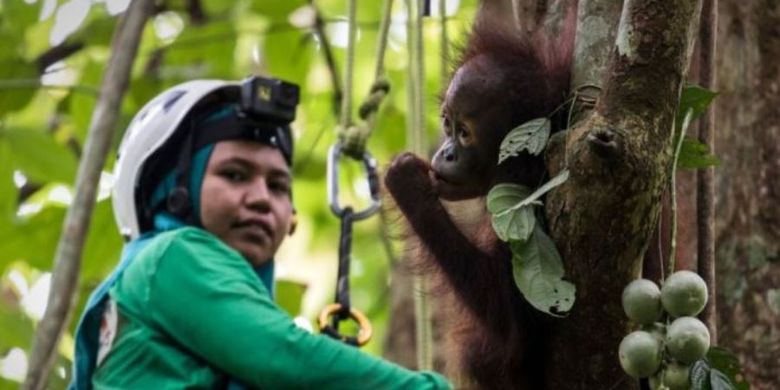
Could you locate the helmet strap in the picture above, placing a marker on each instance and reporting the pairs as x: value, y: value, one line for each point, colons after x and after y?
x: 179, y: 202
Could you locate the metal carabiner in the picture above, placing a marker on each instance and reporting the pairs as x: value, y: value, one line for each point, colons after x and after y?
x: 334, y: 155
x: 365, y: 331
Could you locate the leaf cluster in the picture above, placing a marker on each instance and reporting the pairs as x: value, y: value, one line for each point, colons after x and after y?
x: 537, y: 267
x: 693, y: 154
x: 719, y: 370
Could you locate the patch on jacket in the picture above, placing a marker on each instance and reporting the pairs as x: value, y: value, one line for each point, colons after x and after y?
x: 109, y: 327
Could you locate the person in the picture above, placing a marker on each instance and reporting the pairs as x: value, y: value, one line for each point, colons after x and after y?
x: 203, y: 196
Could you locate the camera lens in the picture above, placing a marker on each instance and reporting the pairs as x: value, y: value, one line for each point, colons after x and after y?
x: 288, y: 95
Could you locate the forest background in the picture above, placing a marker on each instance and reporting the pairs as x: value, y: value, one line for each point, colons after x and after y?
x: 52, y: 58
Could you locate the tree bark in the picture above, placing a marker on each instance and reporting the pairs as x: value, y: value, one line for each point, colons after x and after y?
x: 747, y: 186
x: 597, y: 22
x: 67, y: 259
x: 603, y: 217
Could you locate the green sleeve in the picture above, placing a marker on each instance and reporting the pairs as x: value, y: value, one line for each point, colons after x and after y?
x: 207, y: 298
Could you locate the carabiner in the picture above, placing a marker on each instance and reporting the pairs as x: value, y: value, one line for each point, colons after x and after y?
x: 334, y: 155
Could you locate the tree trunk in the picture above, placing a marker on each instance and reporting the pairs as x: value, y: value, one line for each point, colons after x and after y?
x: 602, y: 219
x: 747, y: 186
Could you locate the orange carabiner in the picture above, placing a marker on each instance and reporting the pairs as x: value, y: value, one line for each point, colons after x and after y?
x: 365, y: 330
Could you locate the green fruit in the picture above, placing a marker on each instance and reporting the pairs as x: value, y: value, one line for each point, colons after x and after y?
x: 684, y: 294
x: 640, y: 354
x: 655, y: 382
x: 677, y: 376
x: 687, y: 339
x: 642, y: 301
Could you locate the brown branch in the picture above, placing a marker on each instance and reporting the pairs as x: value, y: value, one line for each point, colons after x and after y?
x: 330, y: 60
x: 68, y: 256
x: 57, y: 53
x: 705, y: 177
x: 195, y: 10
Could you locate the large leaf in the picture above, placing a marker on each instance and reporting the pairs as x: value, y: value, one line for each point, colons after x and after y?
x: 509, y: 223
x: 704, y: 376
x: 725, y: 361
x: 39, y: 156
x: 511, y: 207
x: 531, y: 136
x: 719, y: 381
x: 700, y: 376
x: 695, y: 98
x: 537, y: 269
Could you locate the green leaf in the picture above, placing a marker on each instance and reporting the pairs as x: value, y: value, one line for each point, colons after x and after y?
x: 725, y: 361
x: 531, y: 136
x: 695, y: 98
x: 32, y: 239
x: 510, y: 205
x: 504, y: 196
x: 514, y: 225
x: 8, y: 192
x: 7, y: 384
x: 17, y: 327
x: 289, y: 295
x: 39, y: 156
x: 219, y: 7
x: 537, y: 269
x: 719, y: 381
x: 18, y: 15
x: 13, y: 95
x: 201, y: 52
x: 289, y: 54
x: 510, y: 224
x: 700, y: 375
x: 694, y: 155
x: 277, y: 11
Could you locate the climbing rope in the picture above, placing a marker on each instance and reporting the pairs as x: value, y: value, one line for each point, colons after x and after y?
x: 352, y: 142
x: 416, y: 140
x: 354, y: 136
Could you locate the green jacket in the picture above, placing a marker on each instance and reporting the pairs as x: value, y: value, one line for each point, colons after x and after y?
x: 193, y: 312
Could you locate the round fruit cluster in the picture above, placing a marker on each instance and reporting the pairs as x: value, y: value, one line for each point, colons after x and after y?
x: 660, y: 351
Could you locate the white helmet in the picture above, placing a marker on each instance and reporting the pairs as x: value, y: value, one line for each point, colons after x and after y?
x: 155, y: 124
x: 265, y: 107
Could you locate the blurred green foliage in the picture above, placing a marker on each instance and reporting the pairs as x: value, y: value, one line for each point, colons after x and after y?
x: 44, y: 117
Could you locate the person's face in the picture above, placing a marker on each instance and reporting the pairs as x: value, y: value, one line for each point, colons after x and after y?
x: 245, y: 198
